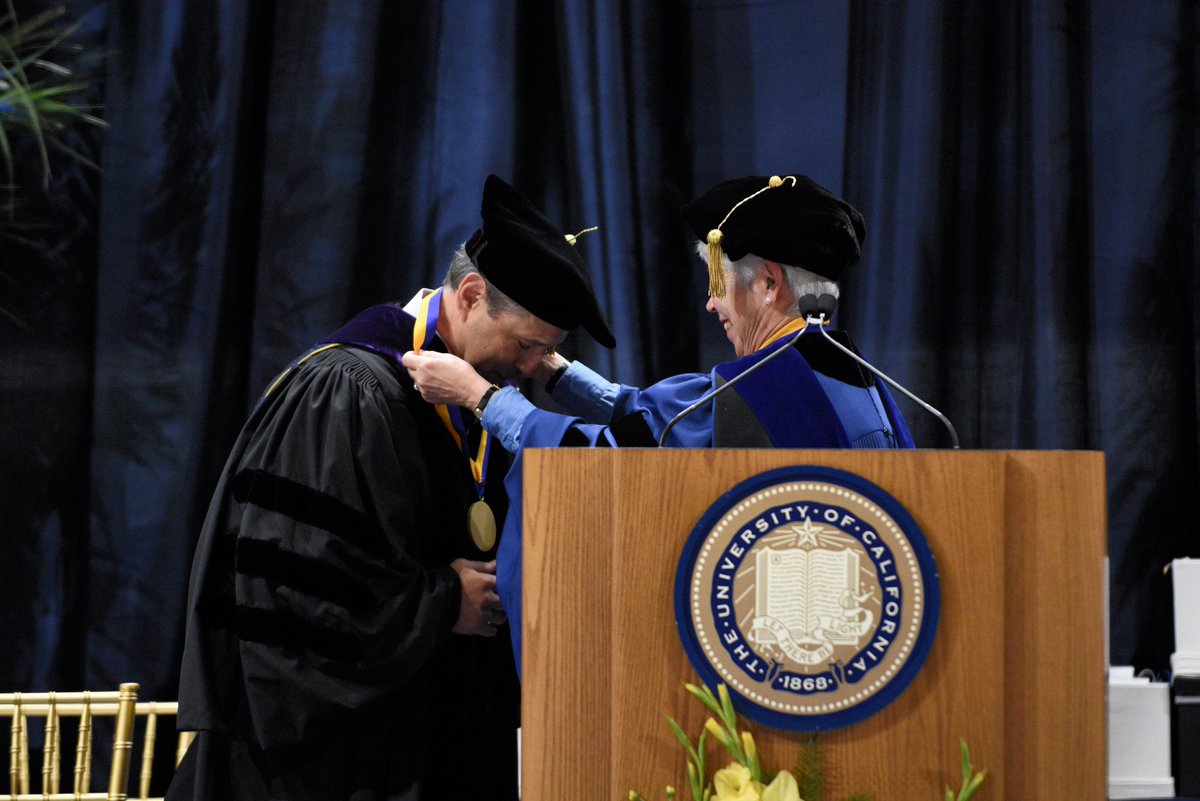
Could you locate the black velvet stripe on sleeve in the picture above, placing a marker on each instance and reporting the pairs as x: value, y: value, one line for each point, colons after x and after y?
x: 307, y: 505
x: 315, y: 577
x: 632, y: 431
x: 294, y: 634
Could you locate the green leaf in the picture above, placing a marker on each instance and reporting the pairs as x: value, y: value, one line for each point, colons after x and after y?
x: 970, y: 779
x: 695, y: 782
x: 705, y: 697
x: 973, y: 785
x: 42, y: 76
x: 978, y: 779
x: 682, y: 738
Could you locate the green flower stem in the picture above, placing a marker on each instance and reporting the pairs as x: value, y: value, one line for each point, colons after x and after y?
x: 970, y: 779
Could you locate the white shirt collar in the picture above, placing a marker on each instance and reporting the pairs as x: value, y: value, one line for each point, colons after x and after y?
x: 413, y: 306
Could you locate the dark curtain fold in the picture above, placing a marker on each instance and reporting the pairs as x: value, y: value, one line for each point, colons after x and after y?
x: 48, y: 287
x: 1147, y: 266
x: 166, y: 215
x: 1029, y: 174
x: 1027, y: 170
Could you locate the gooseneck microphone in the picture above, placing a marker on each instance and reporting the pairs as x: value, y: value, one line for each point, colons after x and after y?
x: 817, y: 318
x: 945, y: 420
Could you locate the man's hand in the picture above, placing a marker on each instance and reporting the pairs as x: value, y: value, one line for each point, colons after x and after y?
x: 480, y: 611
x: 443, y: 378
x: 549, y: 366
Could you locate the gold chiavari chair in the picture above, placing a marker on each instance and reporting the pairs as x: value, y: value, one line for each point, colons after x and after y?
x: 85, y: 707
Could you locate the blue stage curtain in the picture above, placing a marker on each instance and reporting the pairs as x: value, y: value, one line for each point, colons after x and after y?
x: 1028, y: 173
x: 1027, y: 170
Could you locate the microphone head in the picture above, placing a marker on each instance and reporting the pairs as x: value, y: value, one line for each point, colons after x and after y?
x: 813, y: 306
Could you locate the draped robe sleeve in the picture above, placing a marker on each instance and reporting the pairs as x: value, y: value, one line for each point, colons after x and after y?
x: 319, y: 660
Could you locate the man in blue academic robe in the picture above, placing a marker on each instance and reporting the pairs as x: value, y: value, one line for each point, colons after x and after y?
x: 776, y: 248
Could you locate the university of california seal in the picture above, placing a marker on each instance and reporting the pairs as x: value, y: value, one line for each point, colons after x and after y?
x: 811, y: 593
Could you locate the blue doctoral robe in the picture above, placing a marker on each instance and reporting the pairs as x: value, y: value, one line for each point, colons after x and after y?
x: 792, y: 405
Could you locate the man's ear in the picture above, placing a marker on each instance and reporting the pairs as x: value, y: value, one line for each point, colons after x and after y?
x: 472, y: 289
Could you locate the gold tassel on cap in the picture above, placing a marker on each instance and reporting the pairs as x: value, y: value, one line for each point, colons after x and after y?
x: 573, y: 238
x: 716, y: 267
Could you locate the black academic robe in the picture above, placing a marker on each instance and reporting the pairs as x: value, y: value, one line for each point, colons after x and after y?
x: 319, y: 661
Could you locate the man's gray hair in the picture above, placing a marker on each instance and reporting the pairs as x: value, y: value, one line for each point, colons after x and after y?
x: 799, y: 279
x: 498, y: 303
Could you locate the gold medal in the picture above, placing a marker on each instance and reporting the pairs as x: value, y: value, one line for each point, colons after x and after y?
x: 482, y: 525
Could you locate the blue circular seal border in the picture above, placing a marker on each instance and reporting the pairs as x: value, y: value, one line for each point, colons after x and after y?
x: 920, y: 546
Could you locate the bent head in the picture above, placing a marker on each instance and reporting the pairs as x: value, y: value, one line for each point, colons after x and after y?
x: 515, y: 289
x: 494, y: 334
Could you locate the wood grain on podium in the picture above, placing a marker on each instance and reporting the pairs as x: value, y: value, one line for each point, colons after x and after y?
x: 1016, y: 669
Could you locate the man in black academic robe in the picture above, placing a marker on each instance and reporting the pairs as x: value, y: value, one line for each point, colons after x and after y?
x: 341, y: 618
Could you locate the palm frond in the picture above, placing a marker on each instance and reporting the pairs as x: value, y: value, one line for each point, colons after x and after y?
x: 41, y: 94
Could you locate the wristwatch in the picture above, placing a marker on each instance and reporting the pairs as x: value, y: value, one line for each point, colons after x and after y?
x: 553, y: 382
x: 483, y: 402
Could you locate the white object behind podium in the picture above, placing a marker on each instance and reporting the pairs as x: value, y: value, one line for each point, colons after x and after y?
x: 1139, y: 736
x: 1185, y: 585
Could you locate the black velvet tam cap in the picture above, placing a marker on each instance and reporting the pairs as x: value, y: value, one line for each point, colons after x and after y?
x: 791, y: 220
x: 527, y: 258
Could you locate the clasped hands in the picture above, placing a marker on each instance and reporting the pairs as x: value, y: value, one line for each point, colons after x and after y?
x: 480, y: 611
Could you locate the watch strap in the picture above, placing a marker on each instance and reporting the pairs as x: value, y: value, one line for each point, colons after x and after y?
x: 483, y: 402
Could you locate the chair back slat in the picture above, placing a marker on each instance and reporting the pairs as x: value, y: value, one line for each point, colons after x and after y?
x: 50, y: 749
x: 33, y: 701
x: 54, y: 707
x: 14, y: 749
x: 24, y: 753
x: 83, y: 749
x: 148, y: 753
x: 118, y: 779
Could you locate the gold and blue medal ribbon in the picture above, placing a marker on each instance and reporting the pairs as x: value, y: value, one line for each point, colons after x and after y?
x: 480, y: 520
x: 791, y: 328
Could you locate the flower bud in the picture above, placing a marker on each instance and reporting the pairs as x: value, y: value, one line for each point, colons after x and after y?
x: 715, y: 730
x: 748, y: 744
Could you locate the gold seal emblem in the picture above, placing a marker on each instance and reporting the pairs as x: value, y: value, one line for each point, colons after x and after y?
x: 482, y: 525
x: 812, y: 594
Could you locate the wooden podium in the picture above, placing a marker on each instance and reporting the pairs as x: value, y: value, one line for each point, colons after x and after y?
x: 1016, y: 668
